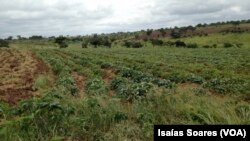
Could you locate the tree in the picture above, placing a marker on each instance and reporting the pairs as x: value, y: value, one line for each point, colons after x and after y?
x: 95, y: 40
x: 101, y: 40
x: 106, y: 43
x: 61, y: 41
x: 133, y: 44
x: 19, y: 37
x: 180, y: 44
x: 36, y: 37
x: 163, y: 32
x: 175, y: 34
x: 4, y: 43
x: 10, y: 38
x: 149, y: 32
x: 235, y: 24
x: 85, y: 44
x: 156, y: 42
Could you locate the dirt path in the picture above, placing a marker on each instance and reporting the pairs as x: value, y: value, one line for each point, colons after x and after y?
x: 18, y: 71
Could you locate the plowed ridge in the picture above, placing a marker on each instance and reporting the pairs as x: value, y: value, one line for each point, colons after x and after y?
x: 18, y: 71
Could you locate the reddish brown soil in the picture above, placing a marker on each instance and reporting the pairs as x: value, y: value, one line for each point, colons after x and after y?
x: 80, y: 82
x: 18, y: 71
x: 108, y: 75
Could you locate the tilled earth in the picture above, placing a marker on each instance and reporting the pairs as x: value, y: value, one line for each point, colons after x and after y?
x: 18, y: 71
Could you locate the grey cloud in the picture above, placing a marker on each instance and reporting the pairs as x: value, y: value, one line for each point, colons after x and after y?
x: 55, y: 17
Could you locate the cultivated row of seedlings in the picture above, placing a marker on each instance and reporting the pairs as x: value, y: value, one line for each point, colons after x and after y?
x: 128, y: 83
x: 65, y: 82
x: 222, y: 85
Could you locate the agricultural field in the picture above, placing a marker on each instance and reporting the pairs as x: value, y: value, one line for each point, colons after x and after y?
x: 119, y: 93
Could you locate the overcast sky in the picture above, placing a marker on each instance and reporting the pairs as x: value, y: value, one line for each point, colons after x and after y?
x: 80, y: 17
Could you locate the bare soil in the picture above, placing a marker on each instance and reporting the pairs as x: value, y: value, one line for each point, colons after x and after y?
x: 18, y: 71
x: 81, y: 83
x: 108, y: 75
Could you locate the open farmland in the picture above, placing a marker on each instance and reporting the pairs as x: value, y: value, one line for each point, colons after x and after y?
x: 90, y: 94
x: 134, y: 70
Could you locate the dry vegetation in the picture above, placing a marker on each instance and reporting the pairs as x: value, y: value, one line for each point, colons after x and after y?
x: 18, y: 71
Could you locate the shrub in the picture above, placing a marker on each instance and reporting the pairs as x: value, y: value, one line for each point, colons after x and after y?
x: 175, y: 34
x: 63, y: 45
x: 96, y: 87
x: 156, y: 42
x: 98, y: 40
x: 228, y: 45
x: 61, y: 41
x: 179, y: 43
x: 133, y: 44
x: 164, y: 83
x: 134, y: 91
x: 57, y: 64
x: 84, y: 45
x: 239, y: 45
x: 192, y: 45
x: 120, y: 116
x: 66, y: 84
x: 116, y: 82
x: 206, y: 46
x: 137, y: 45
x: 195, y: 79
x: 169, y: 43
x: 4, y: 43
x: 226, y: 85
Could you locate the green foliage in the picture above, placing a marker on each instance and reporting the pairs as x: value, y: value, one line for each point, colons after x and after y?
x: 195, y: 79
x: 207, y: 46
x: 239, y: 45
x: 96, y: 87
x: 200, y: 92
x: 128, y: 90
x: 57, y: 64
x: 243, y: 111
x: 67, y: 84
x: 63, y: 45
x: 120, y: 116
x: 61, y: 41
x: 149, y: 32
x: 214, y: 45
x: 133, y: 44
x: 4, y: 43
x: 84, y: 44
x: 141, y: 92
x: 210, y: 46
x: 156, y: 42
x: 175, y: 34
x: 228, y: 45
x: 135, y: 91
x: 192, y: 45
x: 97, y: 40
x: 117, y: 82
x: 42, y: 82
x: 179, y: 43
x: 39, y: 119
x: 227, y: 85
x: 36, y: 37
